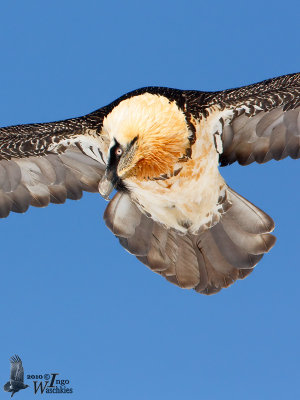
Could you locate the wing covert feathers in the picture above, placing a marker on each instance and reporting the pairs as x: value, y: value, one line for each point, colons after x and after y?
x: 262, y: 122
x: 50, y: 162
x: 207, y: 262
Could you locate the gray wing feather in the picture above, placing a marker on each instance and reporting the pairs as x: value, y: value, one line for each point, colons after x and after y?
x: 207, y: 262
x: 264, y: 121
x: 38, y: 181
x: 51, y: 162
x: 16, y: 369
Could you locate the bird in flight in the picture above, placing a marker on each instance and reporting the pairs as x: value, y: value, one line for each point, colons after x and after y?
x: 161, y: 149
x: 16, y: 380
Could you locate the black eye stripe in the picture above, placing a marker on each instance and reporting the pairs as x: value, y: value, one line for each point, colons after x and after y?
x: 112, y: 166
x: 114, y: 157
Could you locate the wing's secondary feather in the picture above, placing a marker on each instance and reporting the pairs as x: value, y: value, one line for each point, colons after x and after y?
x: 38, y: 181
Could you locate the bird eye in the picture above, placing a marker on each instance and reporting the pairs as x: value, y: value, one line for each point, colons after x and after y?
x: 118, y: 151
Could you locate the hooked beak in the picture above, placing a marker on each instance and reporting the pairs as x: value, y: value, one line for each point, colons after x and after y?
x: 105, y: 185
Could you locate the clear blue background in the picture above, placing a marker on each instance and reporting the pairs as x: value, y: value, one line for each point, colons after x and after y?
x: 72, y: 300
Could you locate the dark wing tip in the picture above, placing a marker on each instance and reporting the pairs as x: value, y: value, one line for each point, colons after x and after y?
x: 15, y: 359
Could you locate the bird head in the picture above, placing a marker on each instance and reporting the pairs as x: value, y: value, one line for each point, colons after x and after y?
x: 148, y: 136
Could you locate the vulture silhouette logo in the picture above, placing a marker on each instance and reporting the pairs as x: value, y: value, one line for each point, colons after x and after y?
x: 16, y: 380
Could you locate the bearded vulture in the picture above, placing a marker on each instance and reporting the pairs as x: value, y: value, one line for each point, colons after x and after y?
x: 161, y: 149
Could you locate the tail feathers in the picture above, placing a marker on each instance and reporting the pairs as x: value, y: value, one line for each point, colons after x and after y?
x: 233, y: 247
x: 250, y: 218
x: 206, y: 262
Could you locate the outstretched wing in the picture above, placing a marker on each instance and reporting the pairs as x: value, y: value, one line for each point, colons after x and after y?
x: 259, y: 122
x: 16, y: 369
x: 207, y: 262
x: 50, y: 162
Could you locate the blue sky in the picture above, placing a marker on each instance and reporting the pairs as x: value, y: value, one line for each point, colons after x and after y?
x: 72, y: 300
